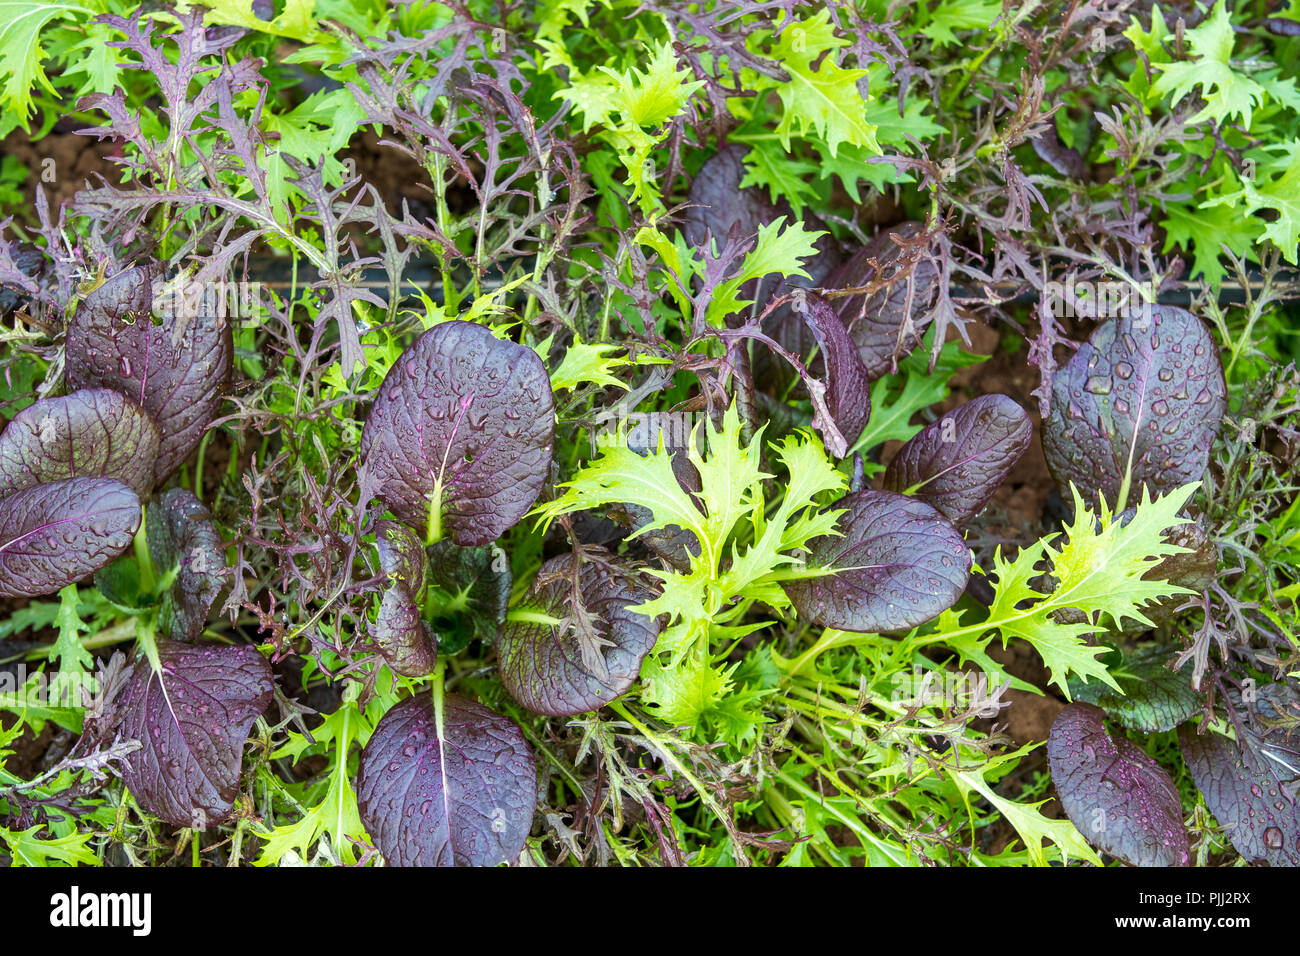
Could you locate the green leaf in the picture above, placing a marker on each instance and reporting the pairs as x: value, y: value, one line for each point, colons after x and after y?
x: 584, y: 363
x: 1099, y: 570
x: 779, y: 249
x: 952, y: 15
x: 21, y: 23
x: 822, y: 99
x: 74, y: 660
x: 1226, y: 92
x: 29, y: 849
x: 296, y: 20
x: 1034, y: 828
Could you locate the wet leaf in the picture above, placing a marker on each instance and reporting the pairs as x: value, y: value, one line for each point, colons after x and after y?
x: 452, y: 789
x: 546, y: 651
x: 886, y: 324
x: 57, y: 533
x: 460, y: 435
x: 1153, y: 699
x: 177, y: 371
x: 401, y: 555
x: 848, y: 392
x: 405, y: 641
x: 957, y: 463
x: 92, y: 433
x: 1250, y: 785
x: 1139, y: 403
x: 473, y: 592
x: 897, y: 563
x: 183, y: 537
x: 1121, y: 800
x: 191, y: 717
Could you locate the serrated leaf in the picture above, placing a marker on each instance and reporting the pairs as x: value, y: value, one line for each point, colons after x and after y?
x: 21, y: 53
x: 1100, y: 571
x: 821, y: 96
x: 1226, y: 92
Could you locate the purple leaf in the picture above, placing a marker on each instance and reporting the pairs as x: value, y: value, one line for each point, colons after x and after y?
x: 92, y: 433
x: 460, y: 436
x: 459, y: 791
x: 848, y: 391
x: 1139, y: 403
x: 957, y: 463
x: 404, y: 640
x: 182, y: 535
x: 720, y: 206
x: 56, y: 534
x: 401, y: 556
x: 593, y: 652
x: 1122, y: 801
x: 889, y: 322
x: 1250, y: 784
x: 896, y: 564
x: 191, y: 718
x: 177, y: 372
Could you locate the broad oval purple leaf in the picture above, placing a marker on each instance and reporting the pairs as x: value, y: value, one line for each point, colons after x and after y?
x: 897, y: 563
x: 888, y: 323
x: 56, y: 534
x: 404, y: 640
x: 1246, y: 784
x: 177, y: 371
x: 455, y: 792
x: 182, y: 535
x: 1122, y: 801
x: 191, y: 718
x: 591, y: 656
x: 92, y: 433
x: 1139, y: 403
x: 957, y: 463
x: 460, y: 435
